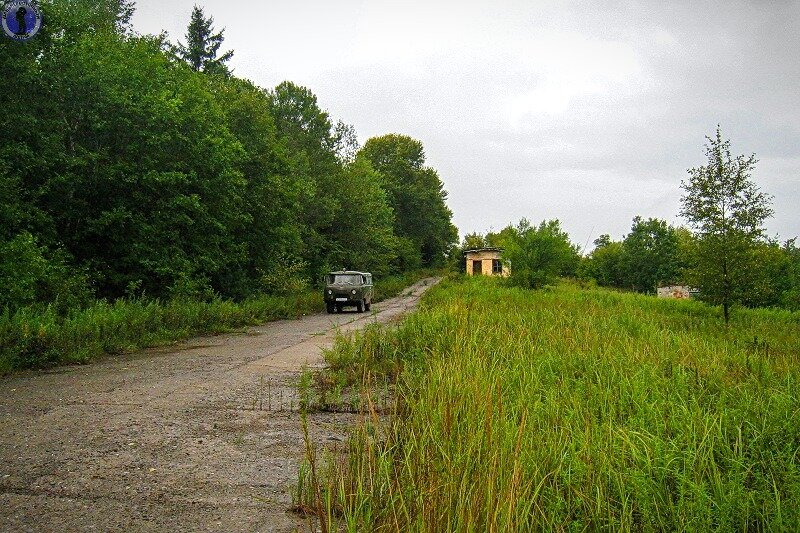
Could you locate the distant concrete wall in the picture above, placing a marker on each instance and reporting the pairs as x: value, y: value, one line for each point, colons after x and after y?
x: 678, y: 292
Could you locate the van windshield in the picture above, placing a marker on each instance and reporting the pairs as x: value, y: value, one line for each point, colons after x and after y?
x: 344, y: 279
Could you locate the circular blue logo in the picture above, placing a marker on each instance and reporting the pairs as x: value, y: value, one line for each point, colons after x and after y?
x: 21, y: 19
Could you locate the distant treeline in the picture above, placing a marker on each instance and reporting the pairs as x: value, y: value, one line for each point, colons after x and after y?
x: 653, y: 254
x: 127, y: 171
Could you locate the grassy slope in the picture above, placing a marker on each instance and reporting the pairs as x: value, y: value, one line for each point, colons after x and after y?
x: 572, y: 409
x: 35, y: 338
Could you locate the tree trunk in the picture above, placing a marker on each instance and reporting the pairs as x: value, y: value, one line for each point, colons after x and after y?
x: 726, y: 289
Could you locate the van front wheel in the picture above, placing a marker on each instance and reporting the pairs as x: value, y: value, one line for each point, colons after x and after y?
x: 360, y: 306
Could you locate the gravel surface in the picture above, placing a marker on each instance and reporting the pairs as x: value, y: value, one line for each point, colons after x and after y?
x: 200, y: 436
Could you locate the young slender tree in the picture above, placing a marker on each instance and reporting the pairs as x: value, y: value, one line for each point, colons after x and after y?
x: 202, y: 46
x: 727, y: 210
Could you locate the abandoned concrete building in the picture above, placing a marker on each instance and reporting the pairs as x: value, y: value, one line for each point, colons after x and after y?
x: 679, y: 292
x: 486, y: 262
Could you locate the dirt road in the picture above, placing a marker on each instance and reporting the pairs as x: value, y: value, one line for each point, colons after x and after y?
x: 204, y: 436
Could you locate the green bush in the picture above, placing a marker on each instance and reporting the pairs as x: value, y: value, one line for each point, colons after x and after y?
x: 539, y: 255
x: 29, y: 274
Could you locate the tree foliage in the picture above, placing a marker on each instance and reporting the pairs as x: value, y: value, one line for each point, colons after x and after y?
x: 201, y: 50
x: 727, y: 210
x: 123, y: 172
x: 363, y: 230
x: 273, y: 194
x: 309, y: 139
x: 650, y: 255
x: 473, y: 241
x: 537, y: 255
x: 605, y: 263
x: 150, y: 194
x: 417, y: 196
x: 790, y: 297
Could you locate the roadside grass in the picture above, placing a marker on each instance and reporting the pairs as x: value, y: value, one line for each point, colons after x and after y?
x: 569, y: 409
x: 334, y: 389
x: 392, y: 286
x: 36, y: 339
x: 41, y: 338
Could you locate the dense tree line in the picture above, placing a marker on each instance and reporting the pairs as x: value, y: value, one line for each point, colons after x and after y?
x: 653, y: 254
x: 772, y: 278
x: 130, y: 166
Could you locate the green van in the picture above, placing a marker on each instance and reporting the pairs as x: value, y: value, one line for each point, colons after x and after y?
x: 348, y: 288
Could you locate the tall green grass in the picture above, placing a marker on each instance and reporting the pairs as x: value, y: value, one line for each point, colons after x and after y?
x: 39, y: 338
x: 572, y: 410
x: 33, y: 338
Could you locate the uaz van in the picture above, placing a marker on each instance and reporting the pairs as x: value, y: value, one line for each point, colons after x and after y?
x: 348, y: 288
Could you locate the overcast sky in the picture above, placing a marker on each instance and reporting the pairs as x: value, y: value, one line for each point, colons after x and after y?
x: 589, y: 112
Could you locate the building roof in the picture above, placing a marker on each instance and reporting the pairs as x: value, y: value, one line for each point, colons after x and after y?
x: 487, y: 249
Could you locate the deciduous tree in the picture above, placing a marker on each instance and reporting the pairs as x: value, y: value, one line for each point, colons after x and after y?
x: 604, y: 264
x: 790, y: 299
x: 363, y: 231
x: 417, y: 196
x: 538, y: 255
x: 650, y: 255
x: 473, y: 241
x: 309, y: 139
x: 274, y: 193
x: 727, y: 210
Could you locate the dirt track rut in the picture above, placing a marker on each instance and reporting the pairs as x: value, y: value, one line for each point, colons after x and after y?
x: 203, y: 436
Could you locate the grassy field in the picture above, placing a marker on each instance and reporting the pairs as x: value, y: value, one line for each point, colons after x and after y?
x: 39, y: 337
x: 570, y: 409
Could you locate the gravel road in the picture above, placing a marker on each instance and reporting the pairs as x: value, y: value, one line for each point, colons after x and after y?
x: 201, y: 436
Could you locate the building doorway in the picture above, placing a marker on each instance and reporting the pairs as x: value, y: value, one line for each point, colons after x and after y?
x: 477, y: 266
